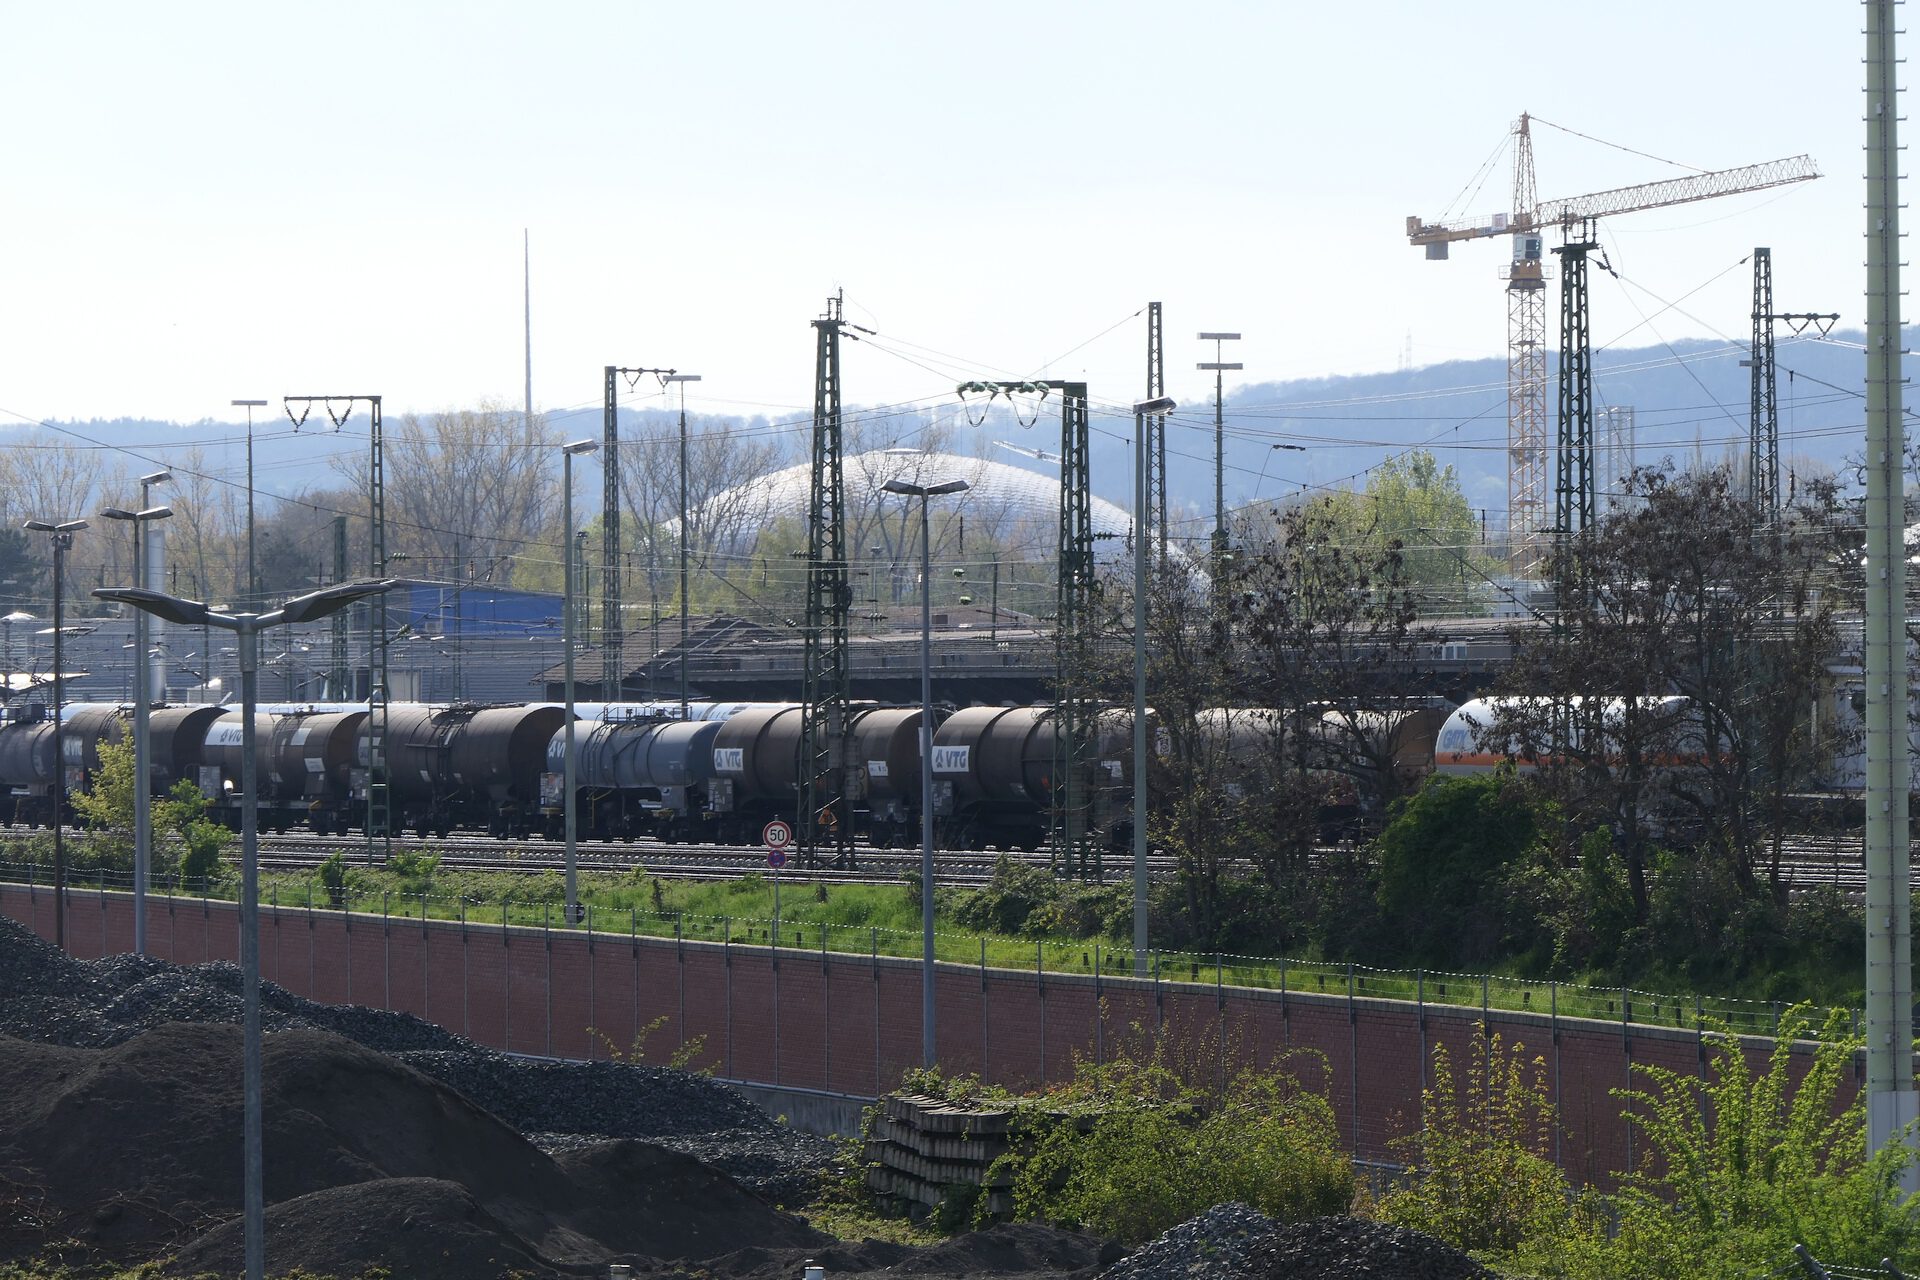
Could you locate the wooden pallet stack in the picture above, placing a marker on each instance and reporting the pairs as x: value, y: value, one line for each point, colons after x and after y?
x: 922, y: 1150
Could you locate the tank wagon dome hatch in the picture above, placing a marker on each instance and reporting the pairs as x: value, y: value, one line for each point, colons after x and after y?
x: 1001, y: 497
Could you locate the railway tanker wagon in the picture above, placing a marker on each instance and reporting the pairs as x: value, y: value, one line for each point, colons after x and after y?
x: 27, y: 765
x: 421, y: 788
x: 635, y: 777
x: 497, y: 761
x: 310, y: 765
x: 992, y: 777
x: 177, y: 744
x: 885, y: 742
x: 221, y: 777
x: 756, y: 767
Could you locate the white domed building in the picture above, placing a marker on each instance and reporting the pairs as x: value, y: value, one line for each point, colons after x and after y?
x: 1005, y: 507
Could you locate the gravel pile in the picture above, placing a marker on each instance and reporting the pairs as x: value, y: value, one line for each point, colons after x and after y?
x: 53, y: 999
x: 1217, y: 1243
x: 1233, y: 1242
x: 1355, y: 1249
x: 563, y: 1105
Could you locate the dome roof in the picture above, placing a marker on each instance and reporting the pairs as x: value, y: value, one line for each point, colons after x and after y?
x: 1000, y: 496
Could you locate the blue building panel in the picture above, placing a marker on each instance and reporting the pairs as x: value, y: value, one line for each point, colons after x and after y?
x: 438, y: 608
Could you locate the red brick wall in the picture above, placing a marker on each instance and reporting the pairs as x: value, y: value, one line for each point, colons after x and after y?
x: 851, y: 1024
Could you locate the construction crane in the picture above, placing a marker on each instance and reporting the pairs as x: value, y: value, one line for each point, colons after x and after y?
x: 1526, y: 276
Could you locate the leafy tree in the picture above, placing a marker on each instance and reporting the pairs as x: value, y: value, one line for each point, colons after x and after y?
x: 1684, y: 589
x: 185, y: 841
x: 1481, y: 1174
x: 1413, y: 503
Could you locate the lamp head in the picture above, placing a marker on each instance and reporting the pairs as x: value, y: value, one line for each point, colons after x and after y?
x: 580, y: 446
x: 1157, y: 405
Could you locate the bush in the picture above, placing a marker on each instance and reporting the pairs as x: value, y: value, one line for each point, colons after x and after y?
x: 1156, y: 1153
x: 1445, y: 856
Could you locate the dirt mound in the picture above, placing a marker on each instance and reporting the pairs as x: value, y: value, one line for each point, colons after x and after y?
x: 138, y: 1145
x: 409, y: 1226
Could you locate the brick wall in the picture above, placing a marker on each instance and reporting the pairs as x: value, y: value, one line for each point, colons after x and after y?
x: 851, y: 1024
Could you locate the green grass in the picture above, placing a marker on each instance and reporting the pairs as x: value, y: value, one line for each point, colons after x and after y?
x: 882, y: 920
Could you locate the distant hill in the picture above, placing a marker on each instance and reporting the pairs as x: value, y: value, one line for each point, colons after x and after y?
x: 1689, y: 397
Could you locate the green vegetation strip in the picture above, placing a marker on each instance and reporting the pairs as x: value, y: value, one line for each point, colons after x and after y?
x: 883, y: 920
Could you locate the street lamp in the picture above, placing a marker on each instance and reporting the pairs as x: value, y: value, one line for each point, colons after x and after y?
x: 61, y: 535
x: 1142, y: 410
x: 683, y: 379
x: 253, y: 582
x: 246, y: 628
x: 149, y: 570
x: 142, y: 700
x: 925, y: 493
x: 567, y: 453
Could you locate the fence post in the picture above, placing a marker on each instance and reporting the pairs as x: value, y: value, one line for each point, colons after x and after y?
x: 986, y: 1042
x: 1220, y: 1016
x: 1040, y: 985
x: 1553, y: 1015
x: 1353, y: 1067
x: 1099, y: 1022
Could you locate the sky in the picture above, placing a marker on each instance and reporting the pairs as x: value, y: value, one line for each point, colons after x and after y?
x: 212, y: 201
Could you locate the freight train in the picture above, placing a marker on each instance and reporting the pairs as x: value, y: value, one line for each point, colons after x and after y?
x: 717, y: 776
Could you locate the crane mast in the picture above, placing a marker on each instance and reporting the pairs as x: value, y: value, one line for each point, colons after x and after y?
x: 1526, y: 275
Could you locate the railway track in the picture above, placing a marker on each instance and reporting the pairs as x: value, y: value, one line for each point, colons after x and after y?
x: 298, y: 851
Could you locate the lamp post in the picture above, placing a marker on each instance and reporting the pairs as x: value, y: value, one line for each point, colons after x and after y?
x: 253, y: 581
x: 926, y: 493
x: 61, y: 535
x: 567, y: 453
x: 1141, y: 412
x: 246, y: 629
x: 142, y: 700
x: 683, y: 379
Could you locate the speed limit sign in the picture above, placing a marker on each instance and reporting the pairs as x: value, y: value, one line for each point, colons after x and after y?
x: 777, y: 836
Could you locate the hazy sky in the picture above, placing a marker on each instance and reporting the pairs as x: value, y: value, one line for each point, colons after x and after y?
x: 209, y: 201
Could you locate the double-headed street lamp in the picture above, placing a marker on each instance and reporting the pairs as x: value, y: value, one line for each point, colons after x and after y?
x: 246, y: 628
x: 61, y: 535
x: 1141, y: 412
x: 683, y: 379
x: 142, y: 702
x: 567, y: 455
x: 926, y: 492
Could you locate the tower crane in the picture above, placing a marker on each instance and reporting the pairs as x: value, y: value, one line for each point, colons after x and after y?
x: 1526, y: 276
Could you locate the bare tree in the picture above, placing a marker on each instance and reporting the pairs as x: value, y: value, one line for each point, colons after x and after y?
x: 464, y: 487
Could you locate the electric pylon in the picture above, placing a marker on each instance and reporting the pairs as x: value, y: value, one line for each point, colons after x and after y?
x: 1074, y: 702
x: 379, y: 800
x: 613, y: 668
x: 1573, y: 488
x: 1153, y: 522
x: 1763, y: 432
x: 825, y: 806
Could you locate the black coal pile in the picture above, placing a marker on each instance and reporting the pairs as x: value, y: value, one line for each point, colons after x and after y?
x: 1233, y: 1242
x: 50, y: 998
x: 1217, y: 1243
x: 1356, y: 1249
x: 561, y: 1105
